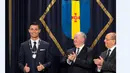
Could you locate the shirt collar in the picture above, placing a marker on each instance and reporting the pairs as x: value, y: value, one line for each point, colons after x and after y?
x: 37, y: 41
x: 112, y: 48
x: 80, y: 48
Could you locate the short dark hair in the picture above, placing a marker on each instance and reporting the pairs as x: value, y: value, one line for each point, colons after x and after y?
x: 35, y: 23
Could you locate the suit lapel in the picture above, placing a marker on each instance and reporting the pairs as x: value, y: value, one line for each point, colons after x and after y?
x: 29, y: 48
x: 81, y: 53
x: 74, y: 50
x: 112, y: 54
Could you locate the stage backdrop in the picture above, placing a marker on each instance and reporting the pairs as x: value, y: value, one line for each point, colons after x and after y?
x: 64, y: 18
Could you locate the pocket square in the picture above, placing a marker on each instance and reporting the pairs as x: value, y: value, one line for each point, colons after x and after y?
x: 42, y: 49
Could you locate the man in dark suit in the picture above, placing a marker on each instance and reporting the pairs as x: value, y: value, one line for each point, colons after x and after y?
x: 106, y: 63
x: 80, y: 58
x: 34, y: 54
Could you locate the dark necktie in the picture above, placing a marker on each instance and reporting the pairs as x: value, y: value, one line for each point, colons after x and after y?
x: 34, y: 47
x: 108, y: 53
x: 77, y: 51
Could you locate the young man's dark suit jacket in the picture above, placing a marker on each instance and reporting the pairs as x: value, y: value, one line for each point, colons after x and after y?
x: 109, y: 66
x: 43, y: 56
x: 83, y: 62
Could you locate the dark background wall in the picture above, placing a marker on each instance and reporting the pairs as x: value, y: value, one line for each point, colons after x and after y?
x: 25, y: 12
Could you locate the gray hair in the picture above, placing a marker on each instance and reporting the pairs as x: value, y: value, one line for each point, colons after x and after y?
x: 83, y: 35
x: 113, y: 35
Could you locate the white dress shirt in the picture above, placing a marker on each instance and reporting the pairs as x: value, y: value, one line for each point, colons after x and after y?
x: 37, y: 42
x: 111, y: 49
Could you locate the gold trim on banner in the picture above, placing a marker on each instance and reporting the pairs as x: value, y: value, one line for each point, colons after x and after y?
x: 106, y: 26
x: 10, y: 28
x: 47, y: 28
